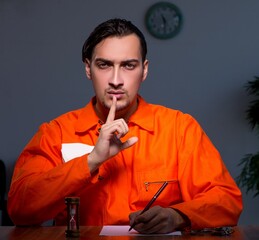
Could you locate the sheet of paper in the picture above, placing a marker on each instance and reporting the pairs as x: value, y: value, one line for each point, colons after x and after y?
x: 115, y: 230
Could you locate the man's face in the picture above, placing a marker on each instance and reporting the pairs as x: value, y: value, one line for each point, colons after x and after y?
x: 116, y: 69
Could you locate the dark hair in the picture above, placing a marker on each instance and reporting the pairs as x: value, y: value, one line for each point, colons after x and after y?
x: 113, y: 27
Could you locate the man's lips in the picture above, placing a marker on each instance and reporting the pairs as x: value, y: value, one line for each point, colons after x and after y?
x: 117, y: 94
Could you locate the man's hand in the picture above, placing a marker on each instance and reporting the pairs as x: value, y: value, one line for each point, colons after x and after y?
x: 157, y: 220
x: 109, y: 143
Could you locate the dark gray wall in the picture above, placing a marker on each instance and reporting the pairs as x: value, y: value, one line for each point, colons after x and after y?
x: 202, y: 71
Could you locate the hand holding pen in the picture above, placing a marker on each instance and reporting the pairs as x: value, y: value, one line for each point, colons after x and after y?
x: 150, y: 202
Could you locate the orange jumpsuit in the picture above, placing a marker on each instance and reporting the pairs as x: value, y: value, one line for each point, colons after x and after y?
x: 172, y: 147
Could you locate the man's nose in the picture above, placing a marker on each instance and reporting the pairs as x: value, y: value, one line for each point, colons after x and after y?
x: 116, y: 78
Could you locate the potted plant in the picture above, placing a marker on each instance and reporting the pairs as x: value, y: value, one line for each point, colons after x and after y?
x: 249, y: 176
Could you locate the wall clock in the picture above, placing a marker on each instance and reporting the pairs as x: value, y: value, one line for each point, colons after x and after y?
x: 163, y: 20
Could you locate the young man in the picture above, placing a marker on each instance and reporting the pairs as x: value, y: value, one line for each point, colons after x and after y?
x: 117, y: 151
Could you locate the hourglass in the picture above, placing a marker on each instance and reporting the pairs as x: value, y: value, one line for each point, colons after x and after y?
x: 72, y: 216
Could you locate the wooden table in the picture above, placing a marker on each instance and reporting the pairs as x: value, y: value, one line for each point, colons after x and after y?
x: 92, y: 233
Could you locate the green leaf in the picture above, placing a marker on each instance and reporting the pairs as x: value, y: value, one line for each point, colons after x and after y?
x: 252, y: 114
x: 249, y: 176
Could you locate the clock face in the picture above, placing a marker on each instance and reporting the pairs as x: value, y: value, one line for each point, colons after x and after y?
x: 163, y: 20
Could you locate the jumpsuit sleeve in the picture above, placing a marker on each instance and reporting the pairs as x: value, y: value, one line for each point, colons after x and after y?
x: 210, y: 196
x: 41, y: 179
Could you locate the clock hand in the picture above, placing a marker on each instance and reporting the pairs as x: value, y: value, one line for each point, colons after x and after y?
x: 164, y: 20
x: 163, y: 26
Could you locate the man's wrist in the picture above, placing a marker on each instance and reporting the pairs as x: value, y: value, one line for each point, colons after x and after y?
x: 183, y: 221
x: 92, y: 163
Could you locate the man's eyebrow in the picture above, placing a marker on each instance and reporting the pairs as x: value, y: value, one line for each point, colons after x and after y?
x: 109, y: 61
x: 102, y: 60
x: 130, y: 60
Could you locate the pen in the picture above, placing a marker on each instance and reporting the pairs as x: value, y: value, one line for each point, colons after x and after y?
x: 151, y: 202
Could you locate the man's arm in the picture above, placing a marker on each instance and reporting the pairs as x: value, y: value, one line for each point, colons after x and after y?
x: 41, y: 179
x: 159, y: 220
x: 109, y: 143
x: 210, y: 197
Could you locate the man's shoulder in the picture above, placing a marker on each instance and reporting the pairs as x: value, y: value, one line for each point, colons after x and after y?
x: 70, y: 115
x: 165, y: 113
x: 66, y: 119
x: 162, y: 109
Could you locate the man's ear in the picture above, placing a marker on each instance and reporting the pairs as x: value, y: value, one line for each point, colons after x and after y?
x: 145, y: 70
x: 88, y: 68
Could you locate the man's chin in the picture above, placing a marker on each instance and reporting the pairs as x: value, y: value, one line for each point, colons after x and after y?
x: 119, y: 107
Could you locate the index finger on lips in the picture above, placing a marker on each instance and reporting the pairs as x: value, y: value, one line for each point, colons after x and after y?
x: 112, y: 111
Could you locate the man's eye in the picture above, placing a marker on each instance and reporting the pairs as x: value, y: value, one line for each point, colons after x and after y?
x: 102, y: 65
x: 129, y: 66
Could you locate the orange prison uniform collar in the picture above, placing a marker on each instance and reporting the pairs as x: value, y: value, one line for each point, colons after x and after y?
x: 171, y: 146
